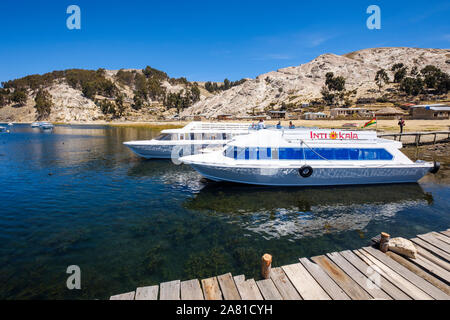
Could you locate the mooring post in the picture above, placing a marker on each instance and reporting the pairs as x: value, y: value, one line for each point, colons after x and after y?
x: 384, y: 241
x: 266, y: 265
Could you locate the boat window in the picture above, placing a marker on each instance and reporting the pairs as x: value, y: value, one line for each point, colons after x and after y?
x: 239, y: 153
x: 229, y: 152
x: 164, y: 137
x: 290, y: 153
x: 274, y: 153
x: 308, y: 154
x: 265, y: 153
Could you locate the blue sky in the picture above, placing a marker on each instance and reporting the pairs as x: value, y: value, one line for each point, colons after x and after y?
x: 206, y: 40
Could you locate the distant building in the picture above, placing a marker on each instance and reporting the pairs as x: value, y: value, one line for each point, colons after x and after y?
x: 389, y: 113
x: 224, y: 117
x: 431, y: 111
x: 277, y: 114
x: 314, y: 115
x: 349, y: 112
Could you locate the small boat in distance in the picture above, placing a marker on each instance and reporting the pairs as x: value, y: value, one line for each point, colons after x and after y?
x: 10, y: 124
x: 35, y: 124
x: 47, y: 126
x: 191, y: 139
x: 310, y: 158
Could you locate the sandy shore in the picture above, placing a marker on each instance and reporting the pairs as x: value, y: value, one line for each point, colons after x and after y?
x: 382, y: 125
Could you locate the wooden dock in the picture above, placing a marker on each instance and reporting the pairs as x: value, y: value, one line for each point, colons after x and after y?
x: 363, y: 274
x: 418, y: 138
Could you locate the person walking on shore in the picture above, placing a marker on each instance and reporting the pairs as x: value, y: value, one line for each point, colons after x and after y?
x: 401, y: 124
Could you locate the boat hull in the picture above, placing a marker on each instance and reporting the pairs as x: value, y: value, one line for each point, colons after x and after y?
x: 321, y: 176
x: 169, y: 151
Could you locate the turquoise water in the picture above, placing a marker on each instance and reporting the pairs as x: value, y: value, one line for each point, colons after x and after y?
x: 77, y: 196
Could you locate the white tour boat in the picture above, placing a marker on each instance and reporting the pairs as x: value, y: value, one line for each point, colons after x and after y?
x: 46, y: 126
x: 194, y: 138
x: 310, y: 158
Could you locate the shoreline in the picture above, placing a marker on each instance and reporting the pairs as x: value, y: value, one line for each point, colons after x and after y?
x: 388, y: 126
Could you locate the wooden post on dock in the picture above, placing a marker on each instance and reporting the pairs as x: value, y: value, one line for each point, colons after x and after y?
x: 266, y: 265
x: 384, y: 241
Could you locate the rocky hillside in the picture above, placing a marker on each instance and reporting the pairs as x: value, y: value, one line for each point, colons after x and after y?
x: 103, y: 95
x: 77, y: 95
x: 303, y: 84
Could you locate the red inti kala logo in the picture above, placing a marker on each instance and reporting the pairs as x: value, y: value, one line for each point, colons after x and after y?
x: 333, y: 135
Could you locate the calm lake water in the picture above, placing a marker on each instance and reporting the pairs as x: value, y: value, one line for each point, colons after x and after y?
x: 77, y: 196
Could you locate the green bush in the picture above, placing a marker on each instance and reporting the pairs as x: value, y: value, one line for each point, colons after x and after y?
x: 44, y: 104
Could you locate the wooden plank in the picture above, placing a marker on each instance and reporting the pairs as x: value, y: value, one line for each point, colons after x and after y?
x: 436, y: 260
x: 169, y: 290
x: 248, y: 290
x: 228, y: 287
x: 330, y: 287
x: 435, y: 242
x: 431, y: 248
x: 191, y: 290
x: 123, y: 296
x: 359, y: 278
x: 433, y: 268
x: 283, y: 285
x: 441, y: 237
x: 211, y: 289
x: 305, y: 284
x: 239, y: 279
x: 407, y: 274
x: 147, y: 293
x: 268, y: 290
x: 417, y: 270
x: 446, y: 233
x: 350, y: 287
x: 406, y: 286
x: 371, y: 273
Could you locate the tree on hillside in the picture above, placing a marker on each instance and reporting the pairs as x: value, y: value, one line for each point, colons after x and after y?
x: 397, y: 66
x: 138, y: 102
x: 226, y: 84
x: 120, y: 106
x: 150, y: 72
x: 89, y: 90
x: 44, y: 104
x: 195, y: 94
x: 381, y: 78
x: 412, y: 86
x: 435, y: 78
x: 4, y: 97
x: 19, y: 97
x: 334, y: 89
x: 400, y: 74
x: 334, y: 83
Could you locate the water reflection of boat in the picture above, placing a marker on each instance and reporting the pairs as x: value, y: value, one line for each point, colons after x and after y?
x: 168, y: 173
x: 307, y: 212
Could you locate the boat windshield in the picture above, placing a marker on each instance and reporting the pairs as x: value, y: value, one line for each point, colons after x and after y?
x: 164, y: 137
